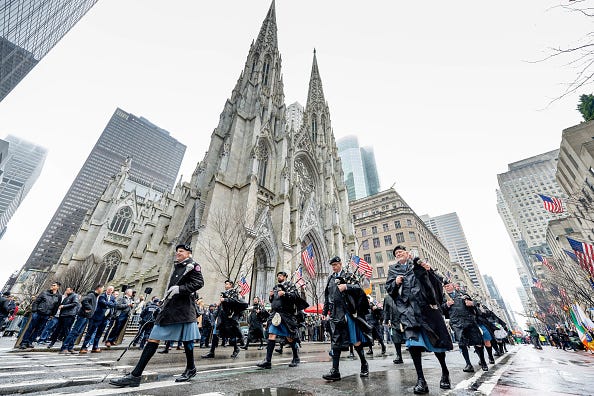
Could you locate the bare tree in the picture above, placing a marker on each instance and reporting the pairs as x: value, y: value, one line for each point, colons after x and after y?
x: 30, y: 289
x: 81, y: 277
x: 578, y: 56
x: 230, y: 248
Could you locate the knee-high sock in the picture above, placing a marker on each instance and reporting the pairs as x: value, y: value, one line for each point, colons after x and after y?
x: 415, y: 354
x: 293, y: 345
x: 189, y: 350
x: 269, y: 350
x: 398, y: 350
x: 336, y: 358
x: 147, y: 353
x: 359, y: 350
x: 441, y: 358
x: 214, y: 343
x: 464, y: 350
x: 481, y: 353
x: 489, y: 352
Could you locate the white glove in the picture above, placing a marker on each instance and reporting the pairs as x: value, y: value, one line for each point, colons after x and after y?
x: 173, y: 290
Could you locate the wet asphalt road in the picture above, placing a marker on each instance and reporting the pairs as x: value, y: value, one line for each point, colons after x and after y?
x: 522, y: 371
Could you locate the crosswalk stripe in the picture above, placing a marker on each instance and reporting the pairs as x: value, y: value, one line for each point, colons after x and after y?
x: 115, y: 391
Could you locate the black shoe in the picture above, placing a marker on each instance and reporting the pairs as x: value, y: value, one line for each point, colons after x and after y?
x: 485, y: 367
x: 444, y: 383
x: 369, y: 352
x: 166, y: 350
x: 383, y: 351
x: 351, y: 356
x: 186, y: 375
x: 295, y: 362
x: 279, y: 351
x: 50, y: 345
x: 209, y: 355
x: 497, y: 354
x: 468, y: 369
x: 398, y: 360
x: 244, y: 348
x: 491, y: 361
x: 23, y: 346
x: 127, y: 380
x: 264, y: 365
x: 235, y: 353
x: 333, y: 375
x: 364, y: 370
x: 421, y: 387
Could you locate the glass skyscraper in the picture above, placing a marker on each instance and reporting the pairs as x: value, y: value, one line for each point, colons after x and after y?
x: 358, y: 165
x: 449, y: 230
x: 22, y: 168
x: 29, y: 29
x: 156, y: 159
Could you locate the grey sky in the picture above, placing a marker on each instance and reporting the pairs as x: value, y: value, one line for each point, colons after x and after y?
x: 441, y: 90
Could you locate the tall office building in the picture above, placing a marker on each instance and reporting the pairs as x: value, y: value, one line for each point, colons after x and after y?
x: 29, y: 29
x: 358, y: 165
x: 493, y: 292
x: 294, y: 116
x: 450, y: 232
x: 520, y: 207
x: 22, y: 167
x: 155, y: 161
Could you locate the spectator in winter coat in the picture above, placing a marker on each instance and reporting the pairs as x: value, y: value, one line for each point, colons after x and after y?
x: 88, y: 306
x: 45, y: 306
x: 68, y: 310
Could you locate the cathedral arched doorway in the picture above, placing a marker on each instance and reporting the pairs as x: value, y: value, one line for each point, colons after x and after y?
x: 263, y: 273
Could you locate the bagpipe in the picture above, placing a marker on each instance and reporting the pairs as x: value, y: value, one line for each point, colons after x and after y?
x: 291, y: 288
x: 234, y: 305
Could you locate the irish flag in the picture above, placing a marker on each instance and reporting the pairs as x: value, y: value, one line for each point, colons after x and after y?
x: 583, y: 326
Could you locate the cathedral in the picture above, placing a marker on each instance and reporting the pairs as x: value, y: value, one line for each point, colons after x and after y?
x: 270, y: 185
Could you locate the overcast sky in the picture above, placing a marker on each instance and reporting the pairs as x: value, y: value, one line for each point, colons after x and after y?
x: 445, y: 92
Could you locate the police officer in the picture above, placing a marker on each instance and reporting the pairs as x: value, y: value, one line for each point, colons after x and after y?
x: 177, y: 318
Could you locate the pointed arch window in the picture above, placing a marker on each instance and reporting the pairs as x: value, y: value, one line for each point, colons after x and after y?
x: 266, y: 70
x: 314, y: 128
x: 121, y: 220
x: 254, y: 64
x: 262, y: 156
x: 108, y: 269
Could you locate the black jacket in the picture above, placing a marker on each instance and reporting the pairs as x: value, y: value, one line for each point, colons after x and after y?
x: 285, y: 306
x: 88, y: 305
x: 417, y: 300
x: 337, y: 304
x: 181, y: 308
x: 463, y: 319
x: 46, y: 303
x: 70, y: 305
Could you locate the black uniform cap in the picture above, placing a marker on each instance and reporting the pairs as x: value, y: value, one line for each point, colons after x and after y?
x: 335, y: 259
x: 185, y: 246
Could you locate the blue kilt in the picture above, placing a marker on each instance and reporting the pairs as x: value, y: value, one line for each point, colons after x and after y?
x: 486, y: 333
x: 280, y: 330
x: 423, y: 341
x: 176, y: 332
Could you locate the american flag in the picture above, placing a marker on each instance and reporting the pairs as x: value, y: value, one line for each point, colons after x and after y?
x: 537, y: 283
x: 544, y: 261
x: 552, y: 204
x: 299, y: 276
x: 572, y: 255
x: 585, y: 254
x: 245, y: 287
x: 362, y: 266
x: 308, y: 259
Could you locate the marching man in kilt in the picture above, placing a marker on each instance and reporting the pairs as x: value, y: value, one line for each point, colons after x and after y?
x: 346, y: 305
x: 176, y: 320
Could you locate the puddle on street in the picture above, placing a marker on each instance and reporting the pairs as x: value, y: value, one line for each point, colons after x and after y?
x: 275, y: 392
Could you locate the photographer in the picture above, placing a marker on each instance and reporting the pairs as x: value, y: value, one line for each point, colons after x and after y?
x: 147, y: 321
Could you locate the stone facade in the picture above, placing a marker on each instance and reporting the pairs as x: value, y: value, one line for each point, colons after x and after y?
x: 261, y: 194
